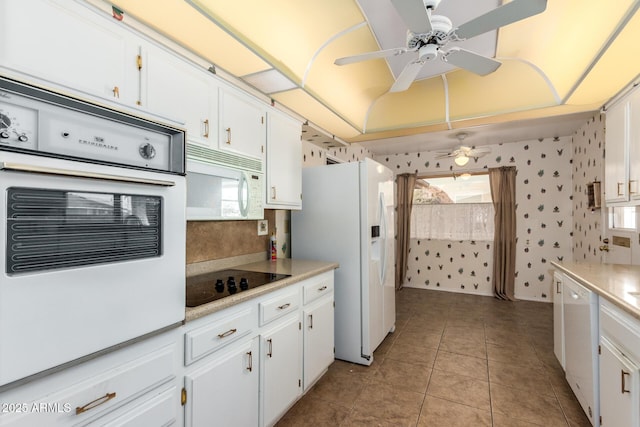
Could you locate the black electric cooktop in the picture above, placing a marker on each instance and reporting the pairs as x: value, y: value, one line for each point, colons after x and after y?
x: 213, y: 286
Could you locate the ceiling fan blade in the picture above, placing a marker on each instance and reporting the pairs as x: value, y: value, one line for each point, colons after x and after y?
x: 499, y: 17
x: 372, y: 55
x: 470, y: 61
x: 407, y: 76
x: 414, y: 14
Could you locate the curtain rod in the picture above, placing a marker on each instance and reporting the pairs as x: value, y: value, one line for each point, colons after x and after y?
x: 454, y: 174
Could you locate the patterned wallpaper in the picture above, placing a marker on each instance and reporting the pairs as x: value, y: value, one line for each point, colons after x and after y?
x: 543, y: 195
x: 312, y: 155
x: 588, y: 166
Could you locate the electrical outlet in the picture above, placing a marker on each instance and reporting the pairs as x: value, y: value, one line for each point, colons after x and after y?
x: 263, y: 227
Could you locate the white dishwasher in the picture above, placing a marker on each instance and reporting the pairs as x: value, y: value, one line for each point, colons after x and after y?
x: 580, y: 307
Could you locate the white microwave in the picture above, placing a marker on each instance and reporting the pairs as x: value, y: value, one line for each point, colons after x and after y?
x: 220, y: 193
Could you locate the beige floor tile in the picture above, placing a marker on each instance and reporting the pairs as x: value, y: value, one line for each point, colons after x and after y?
x: 522, y: 405
x: 463, y: 346
x: 500, y: 420
x: 405, y: 376
x: 463, y: 365
x: 532, y: 379
x: 314, y: 412
x: 572, y: 410
x: 425, y: 338
x: 386, y: 405
x: 522, y: 355
x: 412, y: 354
x: 459, y: 388
x: 343, y: 390
x: 437, y: 412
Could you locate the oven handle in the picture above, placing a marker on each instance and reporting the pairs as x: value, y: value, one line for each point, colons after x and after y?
x: 18, y: 167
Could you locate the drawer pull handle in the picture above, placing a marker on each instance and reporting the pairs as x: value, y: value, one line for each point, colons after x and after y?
x: 99, y: 401
x: 322, y: 288
x: 270, y: 352
x: 311, y: 321
x: 228, y: 135
x: 620, y: 184
x: 283, y: 306
x: 229, y: 332
x: 623, y: 385
x: 250, y: 365
x: 630, y: 182
x: 558, y: 283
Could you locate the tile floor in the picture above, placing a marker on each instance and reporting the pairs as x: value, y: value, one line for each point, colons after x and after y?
x: 454, y: 360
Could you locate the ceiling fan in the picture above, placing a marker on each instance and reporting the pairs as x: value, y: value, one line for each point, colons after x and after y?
x: 462, y: 154
x: 428, y: 34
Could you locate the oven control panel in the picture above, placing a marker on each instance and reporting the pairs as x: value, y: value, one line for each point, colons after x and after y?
x: 52, y: 124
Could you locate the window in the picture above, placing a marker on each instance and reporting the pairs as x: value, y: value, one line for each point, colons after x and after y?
x: 452, y: 208
x: 622, y: 217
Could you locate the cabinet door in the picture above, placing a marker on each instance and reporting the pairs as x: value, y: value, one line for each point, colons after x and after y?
x: 67, y: 44
x: 618, y: 387
x: 616, y: 171
x: 284, y: 161
x: 242, y: 123
x: 318, y: 340
x: 225, y: 391
x: 281, y: 368
x: 179, y: 91
x: 634, y: 145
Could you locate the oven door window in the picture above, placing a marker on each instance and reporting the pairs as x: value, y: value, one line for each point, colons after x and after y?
x: 54, y: 229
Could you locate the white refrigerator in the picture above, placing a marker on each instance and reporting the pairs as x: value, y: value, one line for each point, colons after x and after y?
x: 348, y: 217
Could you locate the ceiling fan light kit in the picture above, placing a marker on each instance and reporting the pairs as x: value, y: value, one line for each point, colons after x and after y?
x: 428, y: 34
x: 461, y: 160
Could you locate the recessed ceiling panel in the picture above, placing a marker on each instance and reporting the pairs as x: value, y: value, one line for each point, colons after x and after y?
x: 302, y: 103
x: 184, y: 25
x: 514, y: 86
x: 615, y: 70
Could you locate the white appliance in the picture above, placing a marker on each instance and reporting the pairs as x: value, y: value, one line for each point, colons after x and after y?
x: 215, y: 192
x: 92, y: 230
x: 348, y: 217
x: 580, y: 310
x: 558, y: 318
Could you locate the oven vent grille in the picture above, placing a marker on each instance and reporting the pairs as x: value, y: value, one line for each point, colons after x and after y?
x: 218, y: 157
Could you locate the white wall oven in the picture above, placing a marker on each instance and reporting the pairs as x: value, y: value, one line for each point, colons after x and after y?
x: 92, y: 230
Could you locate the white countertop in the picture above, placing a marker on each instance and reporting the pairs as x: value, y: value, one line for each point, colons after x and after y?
x: 617, y: 283
x: 298, y: 269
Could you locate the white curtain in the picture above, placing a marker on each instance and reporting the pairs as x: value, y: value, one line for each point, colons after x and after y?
x: 457, y: 221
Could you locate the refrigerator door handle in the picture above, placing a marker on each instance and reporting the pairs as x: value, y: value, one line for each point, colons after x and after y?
x: 382, y: 220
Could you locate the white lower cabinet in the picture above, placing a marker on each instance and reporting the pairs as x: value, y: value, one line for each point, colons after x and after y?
x: 619, y: 367
x: 619, y: 399
x: 224, y: 392
x: 281, y: 367
x: 244, y: 364
x: 558, y: 318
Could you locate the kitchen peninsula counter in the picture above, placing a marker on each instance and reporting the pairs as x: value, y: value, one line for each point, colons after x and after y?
x: 620, y: 284
x: 298, y: 269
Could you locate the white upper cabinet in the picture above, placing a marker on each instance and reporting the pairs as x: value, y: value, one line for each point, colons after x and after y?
x: 242, y: 123
x: 284, y: 161
x: 68, y: 45
x: 180, y: 91
x: 622, y: 161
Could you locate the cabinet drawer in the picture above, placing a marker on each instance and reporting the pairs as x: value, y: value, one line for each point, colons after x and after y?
x: 620, y: 328
x: 157, y: 410
x: 87, y: 400
x: 209, y: 338
x: 317, y: 287
x: 280, y: 305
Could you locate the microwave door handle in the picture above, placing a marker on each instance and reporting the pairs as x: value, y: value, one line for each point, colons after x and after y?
x: 18, y: 167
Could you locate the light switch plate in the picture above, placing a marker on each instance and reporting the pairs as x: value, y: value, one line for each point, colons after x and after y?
x: 263, y: 227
